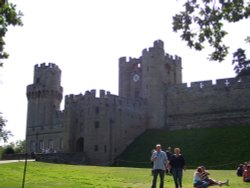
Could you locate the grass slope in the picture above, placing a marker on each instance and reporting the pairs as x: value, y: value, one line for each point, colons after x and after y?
x: 216, y: 148
x: 46, y: 175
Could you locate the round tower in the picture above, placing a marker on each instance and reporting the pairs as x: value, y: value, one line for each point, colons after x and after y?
x: 44, y: 96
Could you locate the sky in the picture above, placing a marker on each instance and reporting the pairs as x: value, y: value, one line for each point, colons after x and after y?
x: 86, y: 39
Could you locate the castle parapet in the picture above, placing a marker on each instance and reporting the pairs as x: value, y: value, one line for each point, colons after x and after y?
x: 208, y: 84
x: 201, y: 84
x: 172, y: 59
x: 46, y: 66
x: 226, y: 82
x: 159, y: 44
x: 130, y: 60
x: 158, y: 48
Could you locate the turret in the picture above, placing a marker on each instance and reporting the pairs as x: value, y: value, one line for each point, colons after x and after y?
x: 44, y: 97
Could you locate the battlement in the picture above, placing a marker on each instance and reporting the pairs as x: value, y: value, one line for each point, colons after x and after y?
x: 104, y: 95
x: 156, y: 50
x: 130, y: 60
x: 220, y: 83
x: 172, y: 59
x: 45, y: 66
x: 157, y: 47
x: 159, y: 44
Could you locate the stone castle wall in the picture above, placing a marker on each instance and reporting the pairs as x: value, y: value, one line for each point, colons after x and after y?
x: 105, y: 125
x: 204, y: 104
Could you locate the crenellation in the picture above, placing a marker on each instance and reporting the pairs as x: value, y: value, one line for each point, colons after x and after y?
x: 173, y: 59
x: 102, y: 93
x: 225, y: 82
x: 45, y: 66
x: 201, y: 84
x: 159, y: 44
x: 122, y: 60
x: 93, y: 92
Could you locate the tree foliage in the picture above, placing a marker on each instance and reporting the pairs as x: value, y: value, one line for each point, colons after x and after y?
x: 20, y: 146
x: 202, y: 21
x: 9, y: 16
x: 4, y: 134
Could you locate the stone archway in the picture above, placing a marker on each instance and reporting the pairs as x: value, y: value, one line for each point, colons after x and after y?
x: 80, y: 145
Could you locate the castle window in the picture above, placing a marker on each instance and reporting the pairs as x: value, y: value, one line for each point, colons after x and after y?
x: 97, y: 124
x: 37, y: 80
x: 61, y: 143
x: 105, y: 148
x: 96, y: 110
x: 96, y: 147
x: 139, y: 65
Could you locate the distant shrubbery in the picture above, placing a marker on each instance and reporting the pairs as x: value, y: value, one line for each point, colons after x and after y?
x: 12, y: 148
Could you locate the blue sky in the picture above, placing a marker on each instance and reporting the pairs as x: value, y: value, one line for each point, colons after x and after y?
x: 86, y: 39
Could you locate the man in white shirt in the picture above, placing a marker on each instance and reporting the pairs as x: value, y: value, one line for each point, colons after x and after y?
x: 159, y: 159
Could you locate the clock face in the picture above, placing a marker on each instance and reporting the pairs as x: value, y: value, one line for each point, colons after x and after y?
x: 136, y: 78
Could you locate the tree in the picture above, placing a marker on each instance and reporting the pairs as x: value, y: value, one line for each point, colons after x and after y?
x: 20, y: 146
x: 4, y: 134
x: 202, y: 22
x: 8, y: 16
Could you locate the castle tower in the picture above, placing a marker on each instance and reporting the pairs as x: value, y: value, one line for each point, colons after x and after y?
x: 44, y: 98
x: 159, y: 70
x: 147, y: 77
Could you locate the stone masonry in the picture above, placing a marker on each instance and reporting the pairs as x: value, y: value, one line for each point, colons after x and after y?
x: 151, y: 96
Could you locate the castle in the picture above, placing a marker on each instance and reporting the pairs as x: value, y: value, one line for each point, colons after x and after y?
x: 151, y: 96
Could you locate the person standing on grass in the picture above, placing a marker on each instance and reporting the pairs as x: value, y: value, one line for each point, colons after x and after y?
x: 159, y: 159
x: 177, y: 164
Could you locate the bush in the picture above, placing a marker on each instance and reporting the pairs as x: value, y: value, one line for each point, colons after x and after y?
x: 8, y: 150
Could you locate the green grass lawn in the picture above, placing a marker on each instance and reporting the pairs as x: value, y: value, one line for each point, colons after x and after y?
x: 46, y: 175
x: 216, y: 148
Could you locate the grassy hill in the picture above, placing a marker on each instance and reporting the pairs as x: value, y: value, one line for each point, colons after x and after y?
x: 216, y: 148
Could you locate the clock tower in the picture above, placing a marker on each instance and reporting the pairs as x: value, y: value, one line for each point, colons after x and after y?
x: 130, y: 78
